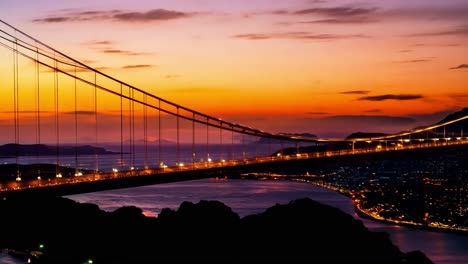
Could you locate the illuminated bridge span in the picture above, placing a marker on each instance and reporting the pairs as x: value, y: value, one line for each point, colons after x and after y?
x: 64, y: 122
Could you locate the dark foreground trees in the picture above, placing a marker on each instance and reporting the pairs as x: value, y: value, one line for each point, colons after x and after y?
x: 303, y: 231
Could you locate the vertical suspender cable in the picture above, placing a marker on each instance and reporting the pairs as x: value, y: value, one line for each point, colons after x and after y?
x: 96, y: 164
x: 243, y: 146
x: 57, y: 131
x: 145, y: 131
x: 121, y: 128
x: 130, y: 150
x: 220, y: 141
x: 207, y: 143
x: 193, y: 140
x: 232, y: 142
x: 269, y: 146
x: 256, y: 142
x: 281, y: 149
x: 38, y: 113
x: 159, y: 133
x: 76, y: 127
x: 15, y: 106
x: 133, y: 129
x: 178, y: 150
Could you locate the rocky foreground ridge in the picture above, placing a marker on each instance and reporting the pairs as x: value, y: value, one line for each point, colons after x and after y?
x: 60, y: 230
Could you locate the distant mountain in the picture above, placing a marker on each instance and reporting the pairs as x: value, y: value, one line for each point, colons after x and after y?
x: 278, y: 141
x: 456, y: 129
x: 451, y: 130
x: 365, y: 135
x: 456, y: 115
x: 156, y: 141
x: 9, y: 150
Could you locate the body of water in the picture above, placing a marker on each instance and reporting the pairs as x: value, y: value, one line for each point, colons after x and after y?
x: 247, y: 197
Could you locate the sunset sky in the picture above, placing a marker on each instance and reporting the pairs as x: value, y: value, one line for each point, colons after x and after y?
x: 327, y: 67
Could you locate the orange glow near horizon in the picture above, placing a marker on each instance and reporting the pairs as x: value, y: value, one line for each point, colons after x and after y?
x: 300, y: 66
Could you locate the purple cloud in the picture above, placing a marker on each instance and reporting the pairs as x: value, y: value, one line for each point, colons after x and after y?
x: 336, y: 11
x: 114, y: 15
x: 356, y: 92
x: 137, y: 66
x: 400, y: 97
x: 414, y: 61
x: 152, y: 15
x: 317, y: 113
x: 297, y: 35
x: 349, y: 20
x: 373, y: 111
x: 461, y: 66
x: 123, y: 52
x: 458, y: 31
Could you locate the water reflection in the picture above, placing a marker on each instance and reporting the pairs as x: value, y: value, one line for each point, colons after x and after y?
x: 247, y: 197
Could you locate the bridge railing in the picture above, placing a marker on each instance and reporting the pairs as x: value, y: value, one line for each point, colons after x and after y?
x: 101, y: 176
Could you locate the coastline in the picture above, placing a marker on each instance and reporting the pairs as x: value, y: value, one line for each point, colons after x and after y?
x: 364, y: 214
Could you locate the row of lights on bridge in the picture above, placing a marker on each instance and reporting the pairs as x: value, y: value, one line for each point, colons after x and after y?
x: 180, y: 164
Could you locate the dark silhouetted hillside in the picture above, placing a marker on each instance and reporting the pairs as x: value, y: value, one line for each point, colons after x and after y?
x: 303, y: 231
x: 454, y: 116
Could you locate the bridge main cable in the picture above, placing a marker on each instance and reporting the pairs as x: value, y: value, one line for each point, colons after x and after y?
x: 229, y: 125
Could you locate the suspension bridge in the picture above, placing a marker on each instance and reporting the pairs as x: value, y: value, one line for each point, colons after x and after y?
x: 66, y: 123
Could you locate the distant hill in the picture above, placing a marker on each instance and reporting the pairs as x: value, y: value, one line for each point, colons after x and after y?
x: 156, y: 141
x: 9, y: 150
x: 302, y: 231
x: 365, y: 135
x: 456, y: 115
x: 277, y: 141
x: 455, y: 129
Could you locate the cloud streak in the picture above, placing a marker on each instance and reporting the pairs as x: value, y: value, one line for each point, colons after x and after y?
x: 414, y: 61
x: 152, y: 15
x: 356, y: 92
x: 123, y: 52
x: 457, y: 31
x: 105, y: 46
x: 341, y: 11
x: 354, y: 14
x: 399, y: 97
x: 461, y: 66
x: 80, y: 112
x: 298, y: 35
x: 115, y: 15
x: 373, y: 111
x: 428, y: 13
x: 137, y: 66
x: 334, y: 15
x: 317, y: 113
x: 350, y: 20
x: 99, y: 43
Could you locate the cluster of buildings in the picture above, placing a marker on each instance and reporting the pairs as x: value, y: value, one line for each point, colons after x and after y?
x: 431, y: 191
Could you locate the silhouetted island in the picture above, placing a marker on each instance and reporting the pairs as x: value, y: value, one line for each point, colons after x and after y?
x: 13, y: 150
x: 60, y: 230
x: 365, y: 135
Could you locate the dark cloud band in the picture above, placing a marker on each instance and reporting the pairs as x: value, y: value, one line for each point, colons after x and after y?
x: 116, y: 15
x: 401, y: 97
